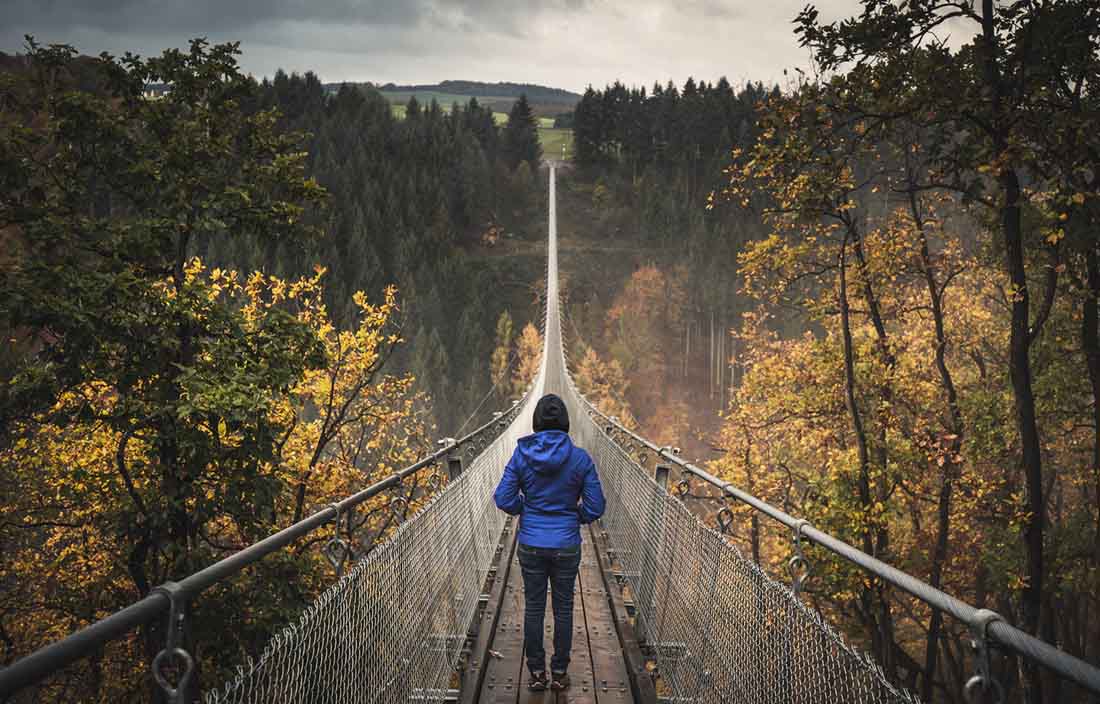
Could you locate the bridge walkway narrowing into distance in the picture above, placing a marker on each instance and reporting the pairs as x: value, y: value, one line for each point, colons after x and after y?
x: 395, y: 627
x: 598, y: 669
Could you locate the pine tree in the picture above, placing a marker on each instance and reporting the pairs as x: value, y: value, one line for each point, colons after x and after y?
x: 521, y: 135
x: 587, y: 129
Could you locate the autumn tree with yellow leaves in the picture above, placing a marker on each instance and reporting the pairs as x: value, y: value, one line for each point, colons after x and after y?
x: 528, y: 359
x: 604, y: 385
x: 641, y: 323
x: 156, y: 415
x: 502, y: 358
x: 934, y: 413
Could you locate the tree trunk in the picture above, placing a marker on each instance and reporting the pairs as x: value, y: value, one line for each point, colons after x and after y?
x: 880, y: 487
x: 1091, y: 346
x: 850, y: 397
x: 754, y: 519
x: 1019, y: 364
x: 1030, y: 449
x: 951, y: 451
x: 176, y: 479
x: 864, y: 482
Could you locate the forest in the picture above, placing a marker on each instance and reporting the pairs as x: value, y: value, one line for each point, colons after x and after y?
x: 414, y: 203
x: 912, y: 328
x: 203, y: 349
x: 869, y: 295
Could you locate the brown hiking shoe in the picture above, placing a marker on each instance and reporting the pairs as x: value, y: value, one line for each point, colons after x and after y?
x: 560, y: 680
x: 538, y: 681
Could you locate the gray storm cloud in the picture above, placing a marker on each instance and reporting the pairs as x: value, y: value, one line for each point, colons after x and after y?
x: 205, y: 15
x: 566, y: 43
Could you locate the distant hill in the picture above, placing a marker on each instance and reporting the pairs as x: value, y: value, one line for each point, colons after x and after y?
x: 545, y: 101
x: 535, y: 93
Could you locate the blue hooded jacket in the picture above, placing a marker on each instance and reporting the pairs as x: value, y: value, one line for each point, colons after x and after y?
x: 543, y: 483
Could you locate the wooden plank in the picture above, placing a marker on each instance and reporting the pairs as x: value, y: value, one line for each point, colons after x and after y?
x: 597, y: 669
x: 504, y: 660
x: 611, y: 681
x: 582, y: 689
x: 641, y: 684
x: 473, y: 676
x: 581, y: 671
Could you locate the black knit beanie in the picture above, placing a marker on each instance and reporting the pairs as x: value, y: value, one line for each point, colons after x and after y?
x: 550, y: 414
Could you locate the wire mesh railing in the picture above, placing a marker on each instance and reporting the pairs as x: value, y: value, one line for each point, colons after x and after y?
x: 393, y: 628
x: 988, y: 629
x: 719, y: 628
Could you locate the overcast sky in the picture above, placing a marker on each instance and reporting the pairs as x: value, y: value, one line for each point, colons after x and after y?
x: 562, y: 43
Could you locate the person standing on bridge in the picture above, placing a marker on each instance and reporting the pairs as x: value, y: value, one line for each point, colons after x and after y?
x: 553, y: 487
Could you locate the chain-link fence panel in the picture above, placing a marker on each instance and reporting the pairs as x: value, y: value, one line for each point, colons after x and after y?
x: 392, y: 628
x: 720, y: 628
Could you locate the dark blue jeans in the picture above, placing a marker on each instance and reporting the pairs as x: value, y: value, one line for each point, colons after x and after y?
x: 558, y: 566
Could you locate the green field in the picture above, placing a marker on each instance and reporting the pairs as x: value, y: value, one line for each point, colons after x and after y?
x: 552, y: 138
x: 445, y: 100
x: 501, y: 118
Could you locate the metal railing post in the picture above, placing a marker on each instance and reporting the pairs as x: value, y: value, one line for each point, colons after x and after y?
x: 660, y: 475
x: 646, y: 598
x: 454, y: 467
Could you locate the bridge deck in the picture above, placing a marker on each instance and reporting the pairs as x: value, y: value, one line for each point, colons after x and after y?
x: 598, y: 669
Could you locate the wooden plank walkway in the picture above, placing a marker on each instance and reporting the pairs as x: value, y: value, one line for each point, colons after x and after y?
x: 598, y: 668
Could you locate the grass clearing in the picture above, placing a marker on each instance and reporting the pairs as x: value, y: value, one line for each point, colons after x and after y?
x: 501, y: 118
x: 400, y: 110
x: 553, y: 139
x: 445, y: 100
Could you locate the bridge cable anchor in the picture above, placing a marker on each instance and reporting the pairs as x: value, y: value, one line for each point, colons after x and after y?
x: 397, y: 506
x: 725, y: 520
x: 435, y: 481
x: 982, y: 682
x: 336, y: 550
x: 172, y: 651
x: 797, y: 566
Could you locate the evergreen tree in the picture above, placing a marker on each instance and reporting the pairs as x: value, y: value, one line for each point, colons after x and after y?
x: 521, y: 136
x: 687, y: 135
x: 407, y: 197
x: 587, y: 123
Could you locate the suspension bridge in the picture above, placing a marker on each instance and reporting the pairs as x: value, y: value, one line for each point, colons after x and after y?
x: 667, y: 609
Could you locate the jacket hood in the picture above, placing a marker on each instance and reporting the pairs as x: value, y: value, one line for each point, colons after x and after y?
x: 546, y: 451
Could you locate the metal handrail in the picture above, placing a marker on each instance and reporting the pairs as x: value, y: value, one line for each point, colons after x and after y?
x: 39, y: 664
x: 979, y: 620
